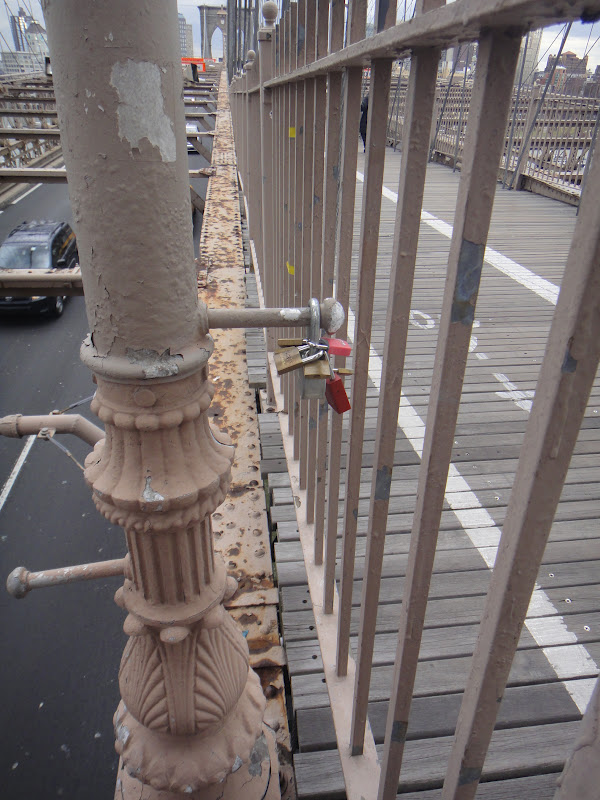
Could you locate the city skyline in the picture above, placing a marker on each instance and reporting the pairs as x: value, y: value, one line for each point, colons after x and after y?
x: 582, y: 36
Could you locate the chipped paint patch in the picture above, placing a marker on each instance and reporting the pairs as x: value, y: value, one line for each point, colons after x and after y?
x: 149, y: 495
x: 290, y: 314
x: 155, y: 365
x: 259, y: 754
x: 237, y: 764
x: 141, y: 112
x: 383, y: 483
x: 123, y: 734
x: 470, y: 262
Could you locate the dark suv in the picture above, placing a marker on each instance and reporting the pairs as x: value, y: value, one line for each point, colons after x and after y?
x: 38, y: 245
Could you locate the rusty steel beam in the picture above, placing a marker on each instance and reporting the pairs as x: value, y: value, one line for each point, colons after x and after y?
x: 29, y: 133
x: 48, y: 175
x: 31, y: 175
x: 27, y: 112
x: 22, y: 283
x: 192, y: 708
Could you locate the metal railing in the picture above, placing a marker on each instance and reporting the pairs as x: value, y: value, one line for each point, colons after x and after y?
x: 555, y: 152
x: 299, y: 178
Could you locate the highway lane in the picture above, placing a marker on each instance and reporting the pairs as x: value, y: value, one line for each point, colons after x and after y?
x: 62, y: 646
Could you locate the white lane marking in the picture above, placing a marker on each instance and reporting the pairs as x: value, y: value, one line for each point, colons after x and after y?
x: 572, y: 660
x: 10, y: 481
x: 23, y: 196
x: 519, y: 398
x: 543, y: 288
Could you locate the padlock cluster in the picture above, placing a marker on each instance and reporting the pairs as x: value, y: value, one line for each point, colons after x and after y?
x: 318, y: 379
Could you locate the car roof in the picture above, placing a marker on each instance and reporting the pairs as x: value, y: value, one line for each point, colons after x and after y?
x: 35, y: 232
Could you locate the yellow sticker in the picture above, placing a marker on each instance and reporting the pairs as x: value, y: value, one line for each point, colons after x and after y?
x: 292, y: 133
x: 290, y: 268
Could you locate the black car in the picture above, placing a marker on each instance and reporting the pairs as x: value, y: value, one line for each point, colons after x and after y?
x: 38, y: 245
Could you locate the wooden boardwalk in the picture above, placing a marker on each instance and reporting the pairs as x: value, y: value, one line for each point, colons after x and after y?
x: 559, y: 650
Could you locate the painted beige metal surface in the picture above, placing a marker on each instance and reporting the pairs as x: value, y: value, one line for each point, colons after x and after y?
x: 360, y: 773
x: 481, y: 157
x: 191, y: 707
x: 453, y: 23
x: 369, y: 239
x: 566, y: 377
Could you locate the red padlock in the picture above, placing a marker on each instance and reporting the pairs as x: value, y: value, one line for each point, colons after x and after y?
x: 336, y: 394
x: 337, y: 347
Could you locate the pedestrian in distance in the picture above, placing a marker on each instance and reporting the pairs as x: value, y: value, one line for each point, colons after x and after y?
x: 364, y: 108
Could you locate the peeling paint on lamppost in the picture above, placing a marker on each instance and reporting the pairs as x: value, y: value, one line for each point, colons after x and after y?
x: 192, y: 709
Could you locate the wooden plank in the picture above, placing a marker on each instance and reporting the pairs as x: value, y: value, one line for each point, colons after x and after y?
x: 432, y: 716
x: 540, y: 787
x: 456, y: 584
x: 454, y: 561
x: 535, y: 749
x: 459, y: 640
x: 299, y: 625
x: 449, y: 675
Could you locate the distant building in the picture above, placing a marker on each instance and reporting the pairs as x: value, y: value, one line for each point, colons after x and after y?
x: 591, y: 88
x: 22, y: 63
x: 570, y: 73
x: 186, y: 37
x: 531, y: 57
x: 37, y: 39
x: 18, y: 28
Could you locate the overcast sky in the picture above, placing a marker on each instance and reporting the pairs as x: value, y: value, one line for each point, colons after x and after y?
x: 582, y: 39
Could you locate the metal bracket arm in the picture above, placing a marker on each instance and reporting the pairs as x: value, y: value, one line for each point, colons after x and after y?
x: 21, y: 580
x: 331, y: 314
x: 16, y: 425
x: 16, y: 283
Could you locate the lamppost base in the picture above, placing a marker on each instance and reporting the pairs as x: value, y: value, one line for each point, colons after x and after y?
x: 256, y: 779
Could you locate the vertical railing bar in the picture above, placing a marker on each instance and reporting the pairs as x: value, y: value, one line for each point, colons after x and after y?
x: 327, y: 257
x: 346, y: 188
x: 317, y: 408
x: 308, y: 138
x: 266, y: 43
x: 563, y: 388
x: 276, y: 169
x: 357, y: 16
x: 280, y: 269
x: 299, y: 86
x: 313, y: 187
x: 291, y: 174
x: 381, y: 71
x: 254, y: 156
x: 486, y: 128
x: 418, y: 116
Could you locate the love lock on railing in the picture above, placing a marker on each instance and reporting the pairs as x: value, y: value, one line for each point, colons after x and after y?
x: 318, y: 378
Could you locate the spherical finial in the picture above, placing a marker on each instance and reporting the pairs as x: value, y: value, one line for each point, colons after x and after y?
x: 250, y: 56
x: 269, y: 12
x: 16, y: 583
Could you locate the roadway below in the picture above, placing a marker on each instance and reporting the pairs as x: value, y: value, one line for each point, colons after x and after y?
x: 63, y: 645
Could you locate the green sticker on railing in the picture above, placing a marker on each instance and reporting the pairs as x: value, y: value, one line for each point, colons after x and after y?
x: 290, y: 268
x: 292, y: 133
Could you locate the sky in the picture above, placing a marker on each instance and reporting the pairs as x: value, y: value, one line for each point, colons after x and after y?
x: 189, y: 10
x: 583, y: 37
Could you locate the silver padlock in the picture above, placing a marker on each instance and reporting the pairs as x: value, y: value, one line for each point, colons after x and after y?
x: 313, y: 388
